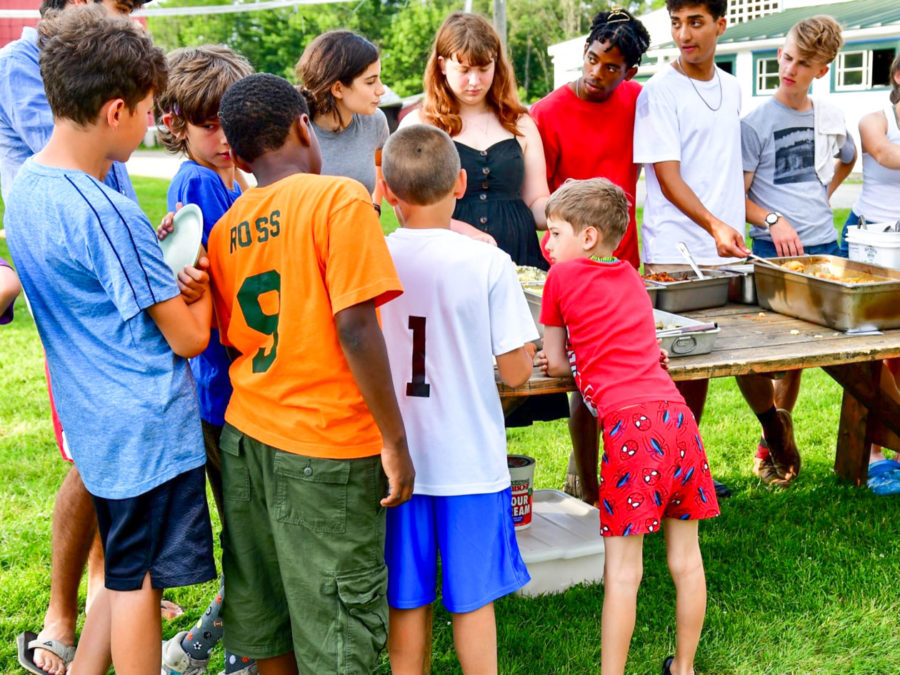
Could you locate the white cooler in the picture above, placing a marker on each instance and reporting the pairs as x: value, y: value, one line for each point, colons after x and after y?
x: 563, y: 546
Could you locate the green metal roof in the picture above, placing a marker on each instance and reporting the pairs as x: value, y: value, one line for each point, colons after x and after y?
x: 854, y: 15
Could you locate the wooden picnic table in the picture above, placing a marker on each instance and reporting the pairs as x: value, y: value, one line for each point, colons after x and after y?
x: 757, y: 341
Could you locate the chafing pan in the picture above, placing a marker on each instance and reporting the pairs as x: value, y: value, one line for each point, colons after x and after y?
x: 839, y: 305
x: 688, y: 292
x: 681, y: 336
x: 741, y: 287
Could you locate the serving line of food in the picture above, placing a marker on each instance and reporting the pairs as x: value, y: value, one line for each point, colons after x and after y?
x: 813, y: 311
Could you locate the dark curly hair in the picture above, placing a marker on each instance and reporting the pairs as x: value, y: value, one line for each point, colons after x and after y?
x: 122, y: 6
x: 620, y: 29
x: 89, y: 57
x: 257, y: 113
x: 715, y: 7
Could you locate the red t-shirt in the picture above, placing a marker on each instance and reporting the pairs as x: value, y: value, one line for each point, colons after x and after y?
x: 592, y: 140
x: 612, y: 333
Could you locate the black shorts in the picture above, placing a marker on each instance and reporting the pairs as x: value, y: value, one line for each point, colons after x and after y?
x: 165, y: 532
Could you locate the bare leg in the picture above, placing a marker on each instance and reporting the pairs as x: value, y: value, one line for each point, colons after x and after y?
x: 584, y: 430
x: 622, y: 572
x: 694, y: 393
x: 758, y: 391
x: 74, y: 525
x: 475, y: 639
x: 787, y: 389
x: 686, y: 568
x: 135, y: 632
x: 93, y: 656
x: 285, y: 664
x: 409, y: 640
x: 96, y: 574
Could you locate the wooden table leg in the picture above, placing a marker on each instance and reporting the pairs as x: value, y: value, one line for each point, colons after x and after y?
x: 867, y: 415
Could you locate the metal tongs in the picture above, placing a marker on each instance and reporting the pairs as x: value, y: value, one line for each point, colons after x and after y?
x: 764, y: 261
x: 692, y: 328
x: 682, y: 247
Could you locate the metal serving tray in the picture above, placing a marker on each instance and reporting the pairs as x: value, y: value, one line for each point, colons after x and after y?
x: 689, y: 292
x: 532, y: 291
x: 652, y: 290
x: 839, y: 305
x: 695, y: 337
x: 741, y: 287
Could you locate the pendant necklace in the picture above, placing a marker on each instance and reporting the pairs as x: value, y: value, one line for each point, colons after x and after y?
x: 697, y: 91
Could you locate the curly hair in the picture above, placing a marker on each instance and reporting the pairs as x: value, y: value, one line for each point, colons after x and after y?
x: 198, y: 78
x: 335, y: 56
x: 818, y: 38
x: 716, y: 8
x: 470, y: 39
x: 620, y: 29
x: 122, y: 6
x: 257, y: 113
x: 89, y: 57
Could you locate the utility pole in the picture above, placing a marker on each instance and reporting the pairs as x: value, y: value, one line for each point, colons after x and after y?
x: 500, y: 20
x: 467, y: 7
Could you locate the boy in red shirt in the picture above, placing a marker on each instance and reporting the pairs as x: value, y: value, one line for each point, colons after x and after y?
x: 599, y: 325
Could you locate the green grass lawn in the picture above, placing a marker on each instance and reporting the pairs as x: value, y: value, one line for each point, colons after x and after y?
x: 800, y: 581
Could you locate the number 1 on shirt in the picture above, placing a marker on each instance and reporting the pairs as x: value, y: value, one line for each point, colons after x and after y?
x: 418, y: 386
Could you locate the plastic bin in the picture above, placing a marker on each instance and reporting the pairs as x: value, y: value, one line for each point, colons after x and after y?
x: 563, y: 546
x: 873, y: 246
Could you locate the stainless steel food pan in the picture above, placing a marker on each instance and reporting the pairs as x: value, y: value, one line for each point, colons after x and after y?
x: 690, y: 336
x: 741, y: 287
x: 534, y: 304
x: 689, y: 292
x: 836, y: 304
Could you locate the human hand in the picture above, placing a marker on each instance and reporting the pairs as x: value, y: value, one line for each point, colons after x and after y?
x: 530, y: 349
x: 168, y: 223
x: 401, y: 475
x: 193, y: 280
x: 663, y: 358
x: 471, y: 232
x: 785, y: 239
x: 541, y: 361
x: 729, y: 242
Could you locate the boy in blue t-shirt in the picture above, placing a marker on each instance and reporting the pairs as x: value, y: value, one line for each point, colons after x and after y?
x: 117, y: 331
x: 189, y: 108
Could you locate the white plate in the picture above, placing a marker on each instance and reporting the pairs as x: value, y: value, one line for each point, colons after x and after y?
x: 182, y: 246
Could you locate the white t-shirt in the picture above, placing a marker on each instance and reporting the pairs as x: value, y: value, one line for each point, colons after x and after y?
x: 672, y: 123
x: 461, y: 304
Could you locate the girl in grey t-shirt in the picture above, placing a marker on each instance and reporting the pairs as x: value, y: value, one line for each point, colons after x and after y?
x: 341, y: 76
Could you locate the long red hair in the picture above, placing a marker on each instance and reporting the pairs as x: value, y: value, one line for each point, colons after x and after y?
x: 470, y: 39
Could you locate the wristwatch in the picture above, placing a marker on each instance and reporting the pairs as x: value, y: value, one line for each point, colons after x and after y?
x: 772, y: 218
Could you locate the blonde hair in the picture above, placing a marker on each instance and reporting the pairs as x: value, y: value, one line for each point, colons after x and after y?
x: 818, y: 38
x: 595, y: 202
x: 420, y: 164
x: 198, y: 78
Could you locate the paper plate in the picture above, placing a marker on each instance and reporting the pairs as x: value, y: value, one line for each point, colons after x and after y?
x: 182, y: 246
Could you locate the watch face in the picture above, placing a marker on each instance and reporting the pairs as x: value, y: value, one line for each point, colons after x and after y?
x: 771, y: 219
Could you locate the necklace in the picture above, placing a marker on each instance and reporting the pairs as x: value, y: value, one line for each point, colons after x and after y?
x: 697, y: 91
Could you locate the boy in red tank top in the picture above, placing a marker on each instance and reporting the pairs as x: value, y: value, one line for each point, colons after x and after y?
x: 599, y: 325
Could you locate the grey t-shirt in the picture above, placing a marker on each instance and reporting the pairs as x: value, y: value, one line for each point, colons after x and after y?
x: 778, y: 145
x: 351, y: 151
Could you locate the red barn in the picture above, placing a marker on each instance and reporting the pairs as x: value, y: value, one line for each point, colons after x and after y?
x: 11, y: 28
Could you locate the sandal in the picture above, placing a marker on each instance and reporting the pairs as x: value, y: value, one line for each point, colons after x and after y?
x: 27, y: 642
x: 667, y: 664
x: 884, y: 477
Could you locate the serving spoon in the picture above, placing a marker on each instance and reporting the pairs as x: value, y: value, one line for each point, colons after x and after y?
x: 682, y: 247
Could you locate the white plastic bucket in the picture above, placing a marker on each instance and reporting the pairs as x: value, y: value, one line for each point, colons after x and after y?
x: 521, y: 475
x: 873, y: 246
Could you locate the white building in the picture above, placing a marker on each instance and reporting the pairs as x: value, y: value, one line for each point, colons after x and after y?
x: 858, y: 81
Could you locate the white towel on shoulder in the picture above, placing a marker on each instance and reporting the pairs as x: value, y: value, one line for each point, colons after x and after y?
x: 830, y: 134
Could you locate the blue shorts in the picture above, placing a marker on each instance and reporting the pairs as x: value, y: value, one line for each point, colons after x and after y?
x: 480, y: 558
x: 766, y: 249
x: 852, y: 220
x: 165, y: 532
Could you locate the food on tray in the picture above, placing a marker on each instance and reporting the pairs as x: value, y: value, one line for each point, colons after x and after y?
x: 662, y: 277
x: 527, y: 273
x: 666, y: 326
x: 827, y: 274
x: 536, y: 287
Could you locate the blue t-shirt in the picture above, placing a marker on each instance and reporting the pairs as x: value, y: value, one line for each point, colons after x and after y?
x: 90, y: 265
x: 26, y: 120
x: 195, y: 184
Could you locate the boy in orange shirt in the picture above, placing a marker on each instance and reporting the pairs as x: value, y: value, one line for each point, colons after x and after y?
x: 299, y: 264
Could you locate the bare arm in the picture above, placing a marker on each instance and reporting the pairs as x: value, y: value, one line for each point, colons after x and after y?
x: 557, y: 361
x: 535, y: 192
x: 185, y: 327
x: 842, y: 170
x: 377, y: 195
x: 873, y: 134
x: 363, y: 344
x: 515, y: 367
x: 784, y: 237
x: 9, y: 287
x: 729, y: 242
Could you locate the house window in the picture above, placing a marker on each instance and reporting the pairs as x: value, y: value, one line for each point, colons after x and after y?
x: 863, y: 69
x: 746, y: 10
x: 766, y: 75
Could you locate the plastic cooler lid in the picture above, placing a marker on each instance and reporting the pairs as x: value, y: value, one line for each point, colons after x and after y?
x: 562, y: 527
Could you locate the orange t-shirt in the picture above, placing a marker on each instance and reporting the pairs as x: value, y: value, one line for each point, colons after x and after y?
x: 284, y: 260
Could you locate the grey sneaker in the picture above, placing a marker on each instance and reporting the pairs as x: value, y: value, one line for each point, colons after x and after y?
x: 176, y: 662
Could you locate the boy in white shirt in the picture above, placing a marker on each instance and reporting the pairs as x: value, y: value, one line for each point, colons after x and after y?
x: 462, y: 305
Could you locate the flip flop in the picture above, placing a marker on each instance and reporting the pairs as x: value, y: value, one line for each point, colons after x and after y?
x: 27, y: 642
x: 884, y: 477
